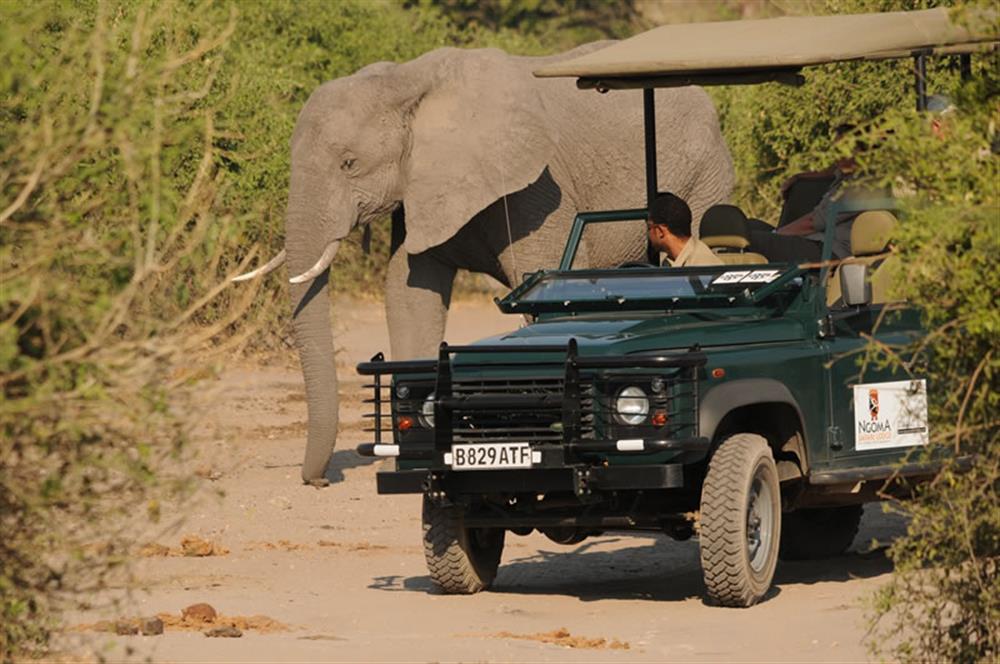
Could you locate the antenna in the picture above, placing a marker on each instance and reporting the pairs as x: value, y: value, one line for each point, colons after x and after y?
x: 506, y: 214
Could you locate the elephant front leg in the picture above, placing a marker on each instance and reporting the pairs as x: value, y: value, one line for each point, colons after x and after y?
x: 417, y: 296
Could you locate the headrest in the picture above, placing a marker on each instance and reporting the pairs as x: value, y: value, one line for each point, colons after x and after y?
x: 724, y: 226
x: 871, y: 232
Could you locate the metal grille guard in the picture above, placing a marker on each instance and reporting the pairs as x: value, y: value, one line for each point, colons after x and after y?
x: 447, y: 403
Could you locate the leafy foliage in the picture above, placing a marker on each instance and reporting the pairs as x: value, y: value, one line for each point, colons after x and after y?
x: 143, y: 160
x: 944, y: 599
x: 113, y: 251
x: 774, y: 131
x: 559, y: 24
x: 943, y: 602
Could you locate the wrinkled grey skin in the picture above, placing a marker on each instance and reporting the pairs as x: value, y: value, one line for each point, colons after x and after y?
x: 438, y: 142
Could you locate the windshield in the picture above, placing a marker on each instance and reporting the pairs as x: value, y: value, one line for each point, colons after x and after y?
x: 642, y: 287
x: 557, y: 288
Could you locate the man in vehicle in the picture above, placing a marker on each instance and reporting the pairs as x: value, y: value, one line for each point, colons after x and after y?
x: 669, y: 227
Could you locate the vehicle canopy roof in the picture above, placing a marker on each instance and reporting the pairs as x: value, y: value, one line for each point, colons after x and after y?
x: 772, y: 49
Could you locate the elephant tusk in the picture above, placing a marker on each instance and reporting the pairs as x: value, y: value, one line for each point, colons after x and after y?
x: 317, y: 269
x: 263, y: 269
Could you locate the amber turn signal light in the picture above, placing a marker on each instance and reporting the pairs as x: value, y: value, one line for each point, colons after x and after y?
x: 658, y: 419
x: 404, y: 423
x: 718, y: 372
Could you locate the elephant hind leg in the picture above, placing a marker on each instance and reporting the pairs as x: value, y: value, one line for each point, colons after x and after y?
x: 418, y: 293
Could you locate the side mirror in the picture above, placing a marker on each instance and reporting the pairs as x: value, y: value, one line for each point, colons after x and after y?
x: 855, y: 287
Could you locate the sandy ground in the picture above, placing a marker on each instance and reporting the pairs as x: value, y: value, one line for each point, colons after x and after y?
x: 343, y: 567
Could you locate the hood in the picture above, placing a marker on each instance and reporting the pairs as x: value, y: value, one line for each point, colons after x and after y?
x: 653, y: 332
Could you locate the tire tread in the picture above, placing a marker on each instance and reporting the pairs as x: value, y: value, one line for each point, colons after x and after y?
x: 449, y: 562
x: 721, y: 537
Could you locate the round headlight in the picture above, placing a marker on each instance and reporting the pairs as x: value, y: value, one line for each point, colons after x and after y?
x: 403, y: 391
x: 631, y: 406
x: 427, y: 412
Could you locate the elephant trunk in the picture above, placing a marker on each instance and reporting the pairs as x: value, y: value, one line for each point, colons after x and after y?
x: 311, y: 326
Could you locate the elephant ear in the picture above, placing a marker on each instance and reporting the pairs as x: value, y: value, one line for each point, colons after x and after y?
x: 478, y: 133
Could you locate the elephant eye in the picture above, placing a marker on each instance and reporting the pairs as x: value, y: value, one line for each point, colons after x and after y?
x: 348, y: 164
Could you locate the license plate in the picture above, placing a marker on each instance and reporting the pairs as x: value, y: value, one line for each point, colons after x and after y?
x: 490, y: 456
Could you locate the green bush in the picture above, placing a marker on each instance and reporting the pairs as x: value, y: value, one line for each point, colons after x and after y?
x: 114, y: 246
x: 143, y: 160
x: 943, y: 601
x: 774, y: 131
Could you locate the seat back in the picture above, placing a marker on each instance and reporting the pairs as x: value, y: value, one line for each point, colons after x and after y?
x: 742, y: 258
x: 724, y: 229
x: 870, y: 234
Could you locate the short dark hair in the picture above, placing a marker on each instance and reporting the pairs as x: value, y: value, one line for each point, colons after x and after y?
x: 671, y: 211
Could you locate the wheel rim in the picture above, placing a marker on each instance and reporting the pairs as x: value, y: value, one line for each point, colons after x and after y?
x: 760, y: 521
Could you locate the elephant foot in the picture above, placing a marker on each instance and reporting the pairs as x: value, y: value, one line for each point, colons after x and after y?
x: 319, y: 483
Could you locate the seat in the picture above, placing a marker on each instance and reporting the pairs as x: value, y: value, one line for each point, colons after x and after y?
x: 871, y: 232
x: 724, y: 229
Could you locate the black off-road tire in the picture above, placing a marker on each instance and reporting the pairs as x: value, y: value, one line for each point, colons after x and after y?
x: 819, y: 533
x: 461, y: 560
x: 739, y: 540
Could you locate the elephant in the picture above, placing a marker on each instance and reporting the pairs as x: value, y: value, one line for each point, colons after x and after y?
x: 482, y: 167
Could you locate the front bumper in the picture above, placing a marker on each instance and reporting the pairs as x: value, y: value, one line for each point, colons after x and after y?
x: 579, y: 480
x: 552, y: 454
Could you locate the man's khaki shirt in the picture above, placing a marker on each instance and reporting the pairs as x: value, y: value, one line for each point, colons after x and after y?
x: 695, y: 253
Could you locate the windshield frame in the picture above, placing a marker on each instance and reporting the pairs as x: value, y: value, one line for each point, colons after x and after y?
x: 735, y: 295
x: 583, y: 219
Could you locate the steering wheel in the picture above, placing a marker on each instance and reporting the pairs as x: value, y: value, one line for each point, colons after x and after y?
x: 633, y: 264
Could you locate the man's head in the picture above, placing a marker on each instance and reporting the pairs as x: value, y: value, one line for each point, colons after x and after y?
x: 669, y: 223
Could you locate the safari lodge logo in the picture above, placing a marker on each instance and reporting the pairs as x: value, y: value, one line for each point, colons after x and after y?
x: 874, y: 430
x: 873, y: 403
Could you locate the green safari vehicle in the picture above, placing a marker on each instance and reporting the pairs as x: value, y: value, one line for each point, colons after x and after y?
x: 723, y: 402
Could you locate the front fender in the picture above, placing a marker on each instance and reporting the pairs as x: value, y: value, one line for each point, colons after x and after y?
x: 724, y: 398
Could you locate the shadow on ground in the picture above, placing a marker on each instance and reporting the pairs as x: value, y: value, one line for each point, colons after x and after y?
x: 345, y: 460
x: 661, y: 569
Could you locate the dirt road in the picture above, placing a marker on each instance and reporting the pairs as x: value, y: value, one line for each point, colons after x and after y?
x: 343, y: 568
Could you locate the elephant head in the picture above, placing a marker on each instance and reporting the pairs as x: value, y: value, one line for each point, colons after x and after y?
x: 444, y: 136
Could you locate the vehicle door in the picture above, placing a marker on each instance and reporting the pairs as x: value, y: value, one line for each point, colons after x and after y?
x: 877, y: 412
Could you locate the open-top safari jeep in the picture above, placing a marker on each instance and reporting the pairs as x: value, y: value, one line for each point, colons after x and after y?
x: 723, y: 402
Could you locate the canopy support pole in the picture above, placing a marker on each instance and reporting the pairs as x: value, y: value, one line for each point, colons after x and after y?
x: 649, y: 131
x: 649, y: 121
x: 920, y: 80
x: 965, y: 66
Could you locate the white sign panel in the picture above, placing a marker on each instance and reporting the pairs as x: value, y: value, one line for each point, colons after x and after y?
x: 731, y: 277
x: 747, y: 277
x: 890, y: 414
x: 761, y: 276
